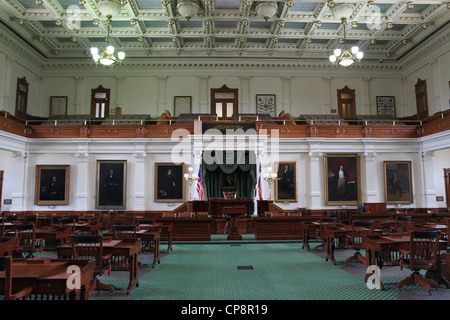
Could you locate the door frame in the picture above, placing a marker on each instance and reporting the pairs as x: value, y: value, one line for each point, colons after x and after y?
x: 340, y: 101
x: 447, y: 185
x: 234, y: 100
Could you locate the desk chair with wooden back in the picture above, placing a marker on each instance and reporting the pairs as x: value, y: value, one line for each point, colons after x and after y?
x: 27, y: 241
x: 360, y: 229
x: 343, y: 217
x: 124, y: 232
x: 31, y: 219
x: 11, y: 218
x: 68, y: 223
x: 422, y: 255
x: 6, y: 267
x: 401, y: 224
x: 320, y: 232
x: 88, y: 247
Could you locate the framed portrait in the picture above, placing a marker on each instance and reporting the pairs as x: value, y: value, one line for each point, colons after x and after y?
x: 52, y: 185
x: 286, y: 182
x: 58, y: 105
x: 169, y: 182
x: 266, y: 104
x: 111, y: 184
x: 398, y: 182
x: 342, y: 179
x: 386, y: 106
x: 228, y: 181
x: 182, y: 105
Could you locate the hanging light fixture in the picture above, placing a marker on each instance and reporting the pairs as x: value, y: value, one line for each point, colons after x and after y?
x: 107, y: 57
x: 346, y: 57
x: 266, y: 10
x: 188, y: 8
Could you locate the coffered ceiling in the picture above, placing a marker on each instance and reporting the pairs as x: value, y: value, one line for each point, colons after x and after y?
x: 67, y: 29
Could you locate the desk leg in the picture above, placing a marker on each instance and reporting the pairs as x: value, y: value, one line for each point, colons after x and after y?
x: 305, y: 241
x: 371, y: 258
x: 156, y: 258
x: 134, y: 280
x: 329, y: 243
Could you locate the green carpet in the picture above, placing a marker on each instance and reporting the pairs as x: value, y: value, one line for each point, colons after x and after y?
x: 281, y: 271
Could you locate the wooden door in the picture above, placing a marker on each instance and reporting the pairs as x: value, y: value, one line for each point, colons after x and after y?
x: 224, y: 102
x: 21, y: 98
x: 100, y: 102
x: 447, y: 185
x: 421, y: 99
x: 346, y: 103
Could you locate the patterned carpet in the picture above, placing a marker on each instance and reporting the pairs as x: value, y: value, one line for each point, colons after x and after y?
x: 251, y: 270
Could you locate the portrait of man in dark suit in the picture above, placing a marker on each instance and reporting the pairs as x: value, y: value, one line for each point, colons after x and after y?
x: 169, y: 183
x: 111, y: 184
x: 52, y: 185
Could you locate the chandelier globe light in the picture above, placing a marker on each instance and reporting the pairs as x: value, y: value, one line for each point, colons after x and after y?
x: 107, y: 57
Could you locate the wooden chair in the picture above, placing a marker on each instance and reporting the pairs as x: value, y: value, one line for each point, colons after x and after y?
x: 125, y: 231
x: 422, y: 255
x: 360, y: 229
x: 401, y: 224
x: 68, y: 223
x: 31, y: 219
x: 324, y: 223
x: 2, y: 227
x: 27, y: 243
x: 54, y: 221
x: 361, y: 209
x: 120, y: 218
x: 343, y: 217
x: 88, y: 247
x: 11, y: 218
x: 268, y: 214
x: 146, y: 223
x: 128, y: 232
x: 23, y: 294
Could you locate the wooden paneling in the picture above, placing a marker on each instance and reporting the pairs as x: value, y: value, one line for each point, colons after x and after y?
x: 278, y: 228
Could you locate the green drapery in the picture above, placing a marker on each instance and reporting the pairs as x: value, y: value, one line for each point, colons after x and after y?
x: 232, y: 162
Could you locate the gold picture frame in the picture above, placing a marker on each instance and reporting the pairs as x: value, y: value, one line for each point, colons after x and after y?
x: 342, y: 187
x: 52, y: 185
x: 169, y: 189
x: 111, y: 185
x: 286, y: 182
x: 398, y: 187
x: 182, y: 104
x: 266, y: 104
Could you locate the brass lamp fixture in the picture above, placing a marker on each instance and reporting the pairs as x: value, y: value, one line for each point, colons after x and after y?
x: 190, y: 178
x: 270, y: 177
x: 107, y: 57
x: 346, y: 57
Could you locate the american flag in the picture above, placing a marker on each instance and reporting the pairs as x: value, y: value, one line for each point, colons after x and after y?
x: 259, y: 185
x: 200, y: 184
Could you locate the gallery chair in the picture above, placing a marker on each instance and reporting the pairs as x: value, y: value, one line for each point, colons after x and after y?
x: 88, y: 247
x: 28, y: 243
x: 186, y: 214
x: 422, y: 255
x: 6, y: 267
x: 360, y: 229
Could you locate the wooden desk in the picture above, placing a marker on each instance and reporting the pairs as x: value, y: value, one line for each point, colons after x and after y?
x: 86, y: 227
x: 279, y: 228
x: 231, y: 214
x: 125, y: 256
x: 153, y: 236
x: 332, y: 233
x: 216, y: 205
x: 50, y: 278
x: 188, y: 229
x: 53, y: 237
x: 378, y: 245
x: 8, y: 245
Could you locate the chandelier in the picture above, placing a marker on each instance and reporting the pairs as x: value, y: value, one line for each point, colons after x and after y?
x: 107, y: 57
x: 346, y: 57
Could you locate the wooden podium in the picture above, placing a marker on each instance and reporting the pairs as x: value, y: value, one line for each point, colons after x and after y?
x: 231, y: 214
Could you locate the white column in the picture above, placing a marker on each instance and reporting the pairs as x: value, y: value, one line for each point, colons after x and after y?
x: 82, y: 177
x: 138, y: 178
x: 326, y: 98
x: 369, y: 168
x: 429, y: 187
x: 79, y: 96
x: 203, y: 107
x: 120, y: 90
x: 286, y: 98
x: 7, y: 86
x: 245, y: 107
x: 162, y: 96
x: 366, y: 96
x: 315, y: 186
x: 19, y: 192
